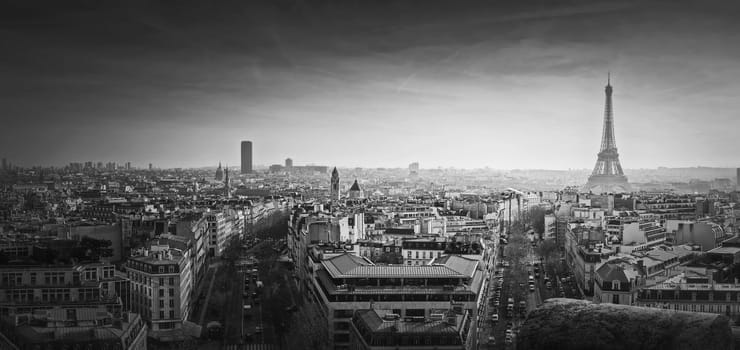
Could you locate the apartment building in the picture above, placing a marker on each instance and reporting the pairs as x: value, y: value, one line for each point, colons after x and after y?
x: 27, y: 288
x: 74, y: 328
x: 617, y: 281
x: 161, y: 285
x: 638, y: 236
x: 695, y: 295
x: 421, y: 251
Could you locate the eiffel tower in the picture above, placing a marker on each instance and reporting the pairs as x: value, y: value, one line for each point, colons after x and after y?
x: 607, y: 176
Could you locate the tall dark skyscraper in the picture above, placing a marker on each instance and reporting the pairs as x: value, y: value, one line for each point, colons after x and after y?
x: 607, y: 176
x: 246, y: 157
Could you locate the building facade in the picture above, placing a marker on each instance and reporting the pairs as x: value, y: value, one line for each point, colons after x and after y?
x: 161, y: 283
x: 246, y: 157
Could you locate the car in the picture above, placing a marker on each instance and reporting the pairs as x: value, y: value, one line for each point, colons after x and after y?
x: 506, y: 264
x: 509, y: 340
x: 531, y: 287
x: 497, y: 303
x: 494, y: 317
x: 548, y: 285
x: 509, y: 325
x: 509, y: 332
x: 258, y: 329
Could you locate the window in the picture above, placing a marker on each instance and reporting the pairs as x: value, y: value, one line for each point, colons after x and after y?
x: 161, y: 314
x: 161, y: 269
x: 172, y: 281
x: 172, y: 292
x: 161, y: 281
x: 172, y: 313
x: 172, y: 268
x: 161, y: 292
x: 172, y: 303
x: 615, y: 285
x: 161, y: 303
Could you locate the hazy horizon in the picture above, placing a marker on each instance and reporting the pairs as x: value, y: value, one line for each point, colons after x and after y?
x: 508, y: 85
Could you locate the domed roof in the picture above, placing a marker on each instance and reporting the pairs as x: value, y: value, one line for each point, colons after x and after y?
x: 355, y: 186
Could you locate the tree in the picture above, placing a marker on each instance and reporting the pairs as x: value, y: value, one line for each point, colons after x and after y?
x: 537, y: 219
x: 308, y: 329
x: 547, y: 250
x: 93, y: 249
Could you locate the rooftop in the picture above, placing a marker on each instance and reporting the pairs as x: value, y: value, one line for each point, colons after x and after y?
x: 448, y: 266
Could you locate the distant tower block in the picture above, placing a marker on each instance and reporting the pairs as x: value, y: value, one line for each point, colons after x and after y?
x: 288, y: 163
x: 607, y: 176
x: 246, y: 157
x: 414, y: 169
x: 335, y: 194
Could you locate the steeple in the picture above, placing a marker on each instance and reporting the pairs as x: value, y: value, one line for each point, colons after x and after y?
x: 227, y: 183
x: 219, y: 173
x: 334, y: 193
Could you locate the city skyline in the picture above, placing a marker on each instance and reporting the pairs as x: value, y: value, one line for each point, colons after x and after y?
x: 442, y: 85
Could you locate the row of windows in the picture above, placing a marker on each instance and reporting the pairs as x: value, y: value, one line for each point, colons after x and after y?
x: 171, y: 314
x: 423, y: 254
x: 148, y: 268
x: 50, y: 278
x: 161, y: 303
x: 712, y: 308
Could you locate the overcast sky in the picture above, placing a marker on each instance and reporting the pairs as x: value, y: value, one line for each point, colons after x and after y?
x: 504, y: 84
